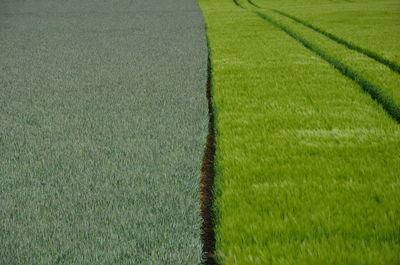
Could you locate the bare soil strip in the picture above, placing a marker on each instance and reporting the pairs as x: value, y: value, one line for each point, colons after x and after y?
x: 207, y: 181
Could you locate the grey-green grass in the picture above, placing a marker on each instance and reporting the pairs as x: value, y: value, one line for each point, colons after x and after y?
x: 103, y: 121
x: 307, y: 164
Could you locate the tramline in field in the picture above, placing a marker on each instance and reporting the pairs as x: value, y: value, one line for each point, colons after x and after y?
x: 307, y: 157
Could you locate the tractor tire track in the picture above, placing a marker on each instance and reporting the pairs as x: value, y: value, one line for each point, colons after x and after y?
x: 391, y: 65
x: 253, y: 4
x: 374, y: 91
x: 238, y: 4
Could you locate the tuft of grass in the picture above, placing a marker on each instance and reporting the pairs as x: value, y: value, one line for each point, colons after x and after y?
x: 307, y: 164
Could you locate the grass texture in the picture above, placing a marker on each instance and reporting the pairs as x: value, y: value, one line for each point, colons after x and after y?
x: 307, y: 163
x: 371, y: 25
x: 393, y: 66
x: 362, y: 67
x: 376, y: 93
x: 104, y: 118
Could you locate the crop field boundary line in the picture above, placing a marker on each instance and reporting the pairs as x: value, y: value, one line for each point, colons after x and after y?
x: 391, y: 65
x: 376, y: 93
x: 207, y: 177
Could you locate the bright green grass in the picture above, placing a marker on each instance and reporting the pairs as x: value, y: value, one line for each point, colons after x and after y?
x: 372, y: 24
x: 381, y: 76
x: 103, y: 121
x: 308, y: 165
x: 377, y: 79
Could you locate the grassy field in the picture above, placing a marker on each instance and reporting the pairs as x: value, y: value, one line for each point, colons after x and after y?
x: 377, y: 65
x: 103, y: 121
x: 307, y: 163
x: 371, y: 24
x: 103, y: 126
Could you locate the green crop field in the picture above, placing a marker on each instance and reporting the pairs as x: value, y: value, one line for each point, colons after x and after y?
x: 306, y: 96
x: 103, y: 120
x: 229, y: 132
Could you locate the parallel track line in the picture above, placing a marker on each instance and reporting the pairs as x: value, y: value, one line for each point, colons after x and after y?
x: 374, y: 91
x: 393, y: 66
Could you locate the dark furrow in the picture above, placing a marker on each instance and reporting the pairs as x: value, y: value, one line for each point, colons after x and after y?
x: 253, y: 4
x: 375, y: 92
x: 237, y: 3
x: 207, y: 179
x: 391, y: 65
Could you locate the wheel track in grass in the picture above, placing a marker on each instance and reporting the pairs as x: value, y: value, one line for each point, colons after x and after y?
x: 207, y: 179
x: 391, y: 65
x: 327, y: 123
x: 293, y: 34
x: 253, y: 4
x: 374, y: 56
x: 373, y: 90
x: 208, y: 171
x: 238, y: 4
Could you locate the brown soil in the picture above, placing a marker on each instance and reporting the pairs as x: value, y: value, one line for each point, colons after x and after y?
x: 207, y: 182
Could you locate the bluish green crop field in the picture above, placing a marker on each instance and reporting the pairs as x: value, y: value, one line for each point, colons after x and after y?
x: 103, y: 121
x: 306, y: 96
